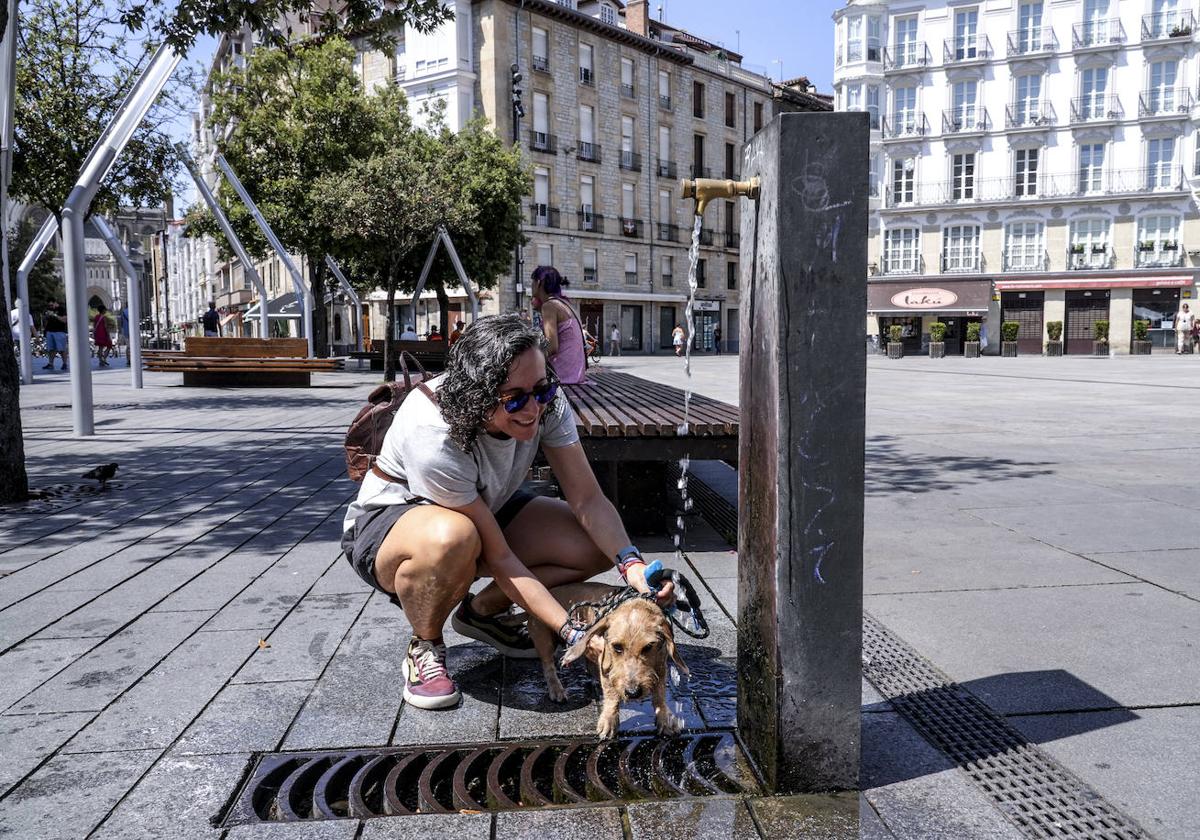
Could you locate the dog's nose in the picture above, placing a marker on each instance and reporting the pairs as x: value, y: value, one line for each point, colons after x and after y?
x: 633, y: 692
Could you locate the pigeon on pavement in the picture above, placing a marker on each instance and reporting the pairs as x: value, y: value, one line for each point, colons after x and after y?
x: 103, y: 474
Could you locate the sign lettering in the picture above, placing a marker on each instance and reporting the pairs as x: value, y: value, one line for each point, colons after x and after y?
x: 924, y: 299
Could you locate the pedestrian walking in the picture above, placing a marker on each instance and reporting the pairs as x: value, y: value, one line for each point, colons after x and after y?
x: 409, y: 334
x: 457, y: 334
x: 614, y: 341
x: 677, y: 339
x: 1185, y: 320
x: 211, y: 320
x: 101, y: 336
x: 123, y: 327
x: 717, y: 340
x: 14, y: 320
x: 435, y: 334
x: 54, y: 324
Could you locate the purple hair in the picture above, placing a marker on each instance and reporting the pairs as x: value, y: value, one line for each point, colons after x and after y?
x: 551, y: 280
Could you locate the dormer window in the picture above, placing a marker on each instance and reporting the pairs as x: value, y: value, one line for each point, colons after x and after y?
x: 608, y: 14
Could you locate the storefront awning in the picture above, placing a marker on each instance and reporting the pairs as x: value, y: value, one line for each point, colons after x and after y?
x: 942, y: 296
x: 1038, y: 284
x: 284, y: 306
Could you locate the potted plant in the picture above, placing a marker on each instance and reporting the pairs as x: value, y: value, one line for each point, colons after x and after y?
x: 937, y: 344
x: 1054, y: 334
x: 895, y: 345
x: 1145, y: 245
x: 971, y: 345
x: 1008, y: 335
x: 1077, y: 248
x: 1141, y: 339
x: 1100, y: 338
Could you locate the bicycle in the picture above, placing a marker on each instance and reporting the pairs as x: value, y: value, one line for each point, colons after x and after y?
x: 591, y: 348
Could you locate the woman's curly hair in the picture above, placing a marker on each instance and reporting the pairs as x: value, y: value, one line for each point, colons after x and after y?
x: 476, y: 368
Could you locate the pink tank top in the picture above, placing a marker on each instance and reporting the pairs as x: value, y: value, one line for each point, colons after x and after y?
x: 569, y: 362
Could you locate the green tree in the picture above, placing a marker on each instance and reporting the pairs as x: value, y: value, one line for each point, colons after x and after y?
x: 299, y: 115
x: 45, y: 284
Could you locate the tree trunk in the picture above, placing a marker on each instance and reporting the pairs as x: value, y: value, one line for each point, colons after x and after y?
x: 317, y: 275
x: 443, y: 300
x: 389, y: 363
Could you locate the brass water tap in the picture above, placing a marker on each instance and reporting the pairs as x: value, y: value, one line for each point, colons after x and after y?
x: 705, y: 190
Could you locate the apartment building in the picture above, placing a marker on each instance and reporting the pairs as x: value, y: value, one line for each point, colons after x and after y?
x: 1031, y: 161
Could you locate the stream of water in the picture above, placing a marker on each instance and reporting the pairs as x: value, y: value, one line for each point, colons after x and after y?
x: 689, y: 340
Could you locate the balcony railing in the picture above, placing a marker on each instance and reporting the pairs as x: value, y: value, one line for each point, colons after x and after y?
x: 733, y: 239
x: 1165, y: 102
x: 706, y: 236
x: 1032, y: 41
x: 1029, y: 115
x: 588, y: 151
x: 668, y: 233
x: 631, y: 227
x: 540, y: 141
x: 627, y: 91
x: 1042, y: 186
x: 907, y: 56
x: 1026, y: 259
x: 1089, y: 257
x: 1093, y: 34
x: 1159, y: 255
x: 900, y: 125
x: 540, y: 63
x: 589, y: 220
x: 666, y: 169
x: 586, y: 77
x: 542, y: 215
x: 664, y: 102
x: 902, y: 264
x: 968, y: 49
x: 631, y: 278
x: 700, y: 171
x: 1097, y: 108
x: 972, y: 120
x: 962, y: 263
x: 589, y: 276
x: 631, y: 161
x: 1173, y: 24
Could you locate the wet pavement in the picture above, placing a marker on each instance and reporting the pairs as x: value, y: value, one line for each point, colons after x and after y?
x: 1029, y: 532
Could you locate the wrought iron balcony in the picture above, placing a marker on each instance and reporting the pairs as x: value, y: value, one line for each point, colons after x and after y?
x: 897, y: 126
x: 1033, y: 41
x: 589, y: 276
x: 586, y: 77
x: 631, y: 278
x: 540, y: 141
x: 733, y: 239
x: 706, y: 236
x: 540, y: 63
x: 664, y: 102
x: 666, y: 169
x: 1167, y: 25
x: 1061, y: 185
x: 627, y: 91
x: 974, y: 120
x: 631, y: 227
x: 963, y: 263
x: 1159, y: 254
x: 1029, y: 115
x: 589, y: 220
x: 543, y: 215
x: 1097, y: 108
x: 1085, y: 257
x: 668, y: 233
x: 588, y: 151
x: 907, y: 56
x: 1097, y: 34
x: 701, y: 171
x: 902, y: 264
x: 966, y: 50
x: 1173, y: 103
x: 631, y: 161
x: 1026, y: 259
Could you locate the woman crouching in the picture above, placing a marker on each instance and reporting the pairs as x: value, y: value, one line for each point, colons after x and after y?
x: 444, y: 504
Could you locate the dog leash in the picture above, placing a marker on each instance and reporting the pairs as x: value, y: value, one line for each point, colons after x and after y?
x: 687, y: 602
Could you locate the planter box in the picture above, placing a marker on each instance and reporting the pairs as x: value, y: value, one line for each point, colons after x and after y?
x: 937, y: 349
x: 1054, y: 348
x: 1140, y: 348
x: 971, y: 349
x: 1100, y: 348
x: 1008, y: 349
x: 895, y: 350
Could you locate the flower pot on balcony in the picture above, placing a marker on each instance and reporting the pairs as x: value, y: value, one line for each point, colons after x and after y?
x: 1054, y: 348
x: 895, y: 350
x: 971, y: 349
x: 1140, y: 348
x: 937, y: 349
x: 1100, y: 348
x: 1008, y: 349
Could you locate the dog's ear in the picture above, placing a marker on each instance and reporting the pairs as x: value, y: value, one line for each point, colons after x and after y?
x: 592, y: 639
x: 668, y: 634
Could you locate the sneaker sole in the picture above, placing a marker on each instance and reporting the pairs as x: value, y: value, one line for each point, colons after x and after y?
x: 480, y: 636
x: 423, y: 702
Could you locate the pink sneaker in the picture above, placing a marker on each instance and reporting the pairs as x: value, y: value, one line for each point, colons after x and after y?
x: 426, y: 683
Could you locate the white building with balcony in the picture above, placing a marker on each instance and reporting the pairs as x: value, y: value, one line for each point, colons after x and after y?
x: 1031, y: 161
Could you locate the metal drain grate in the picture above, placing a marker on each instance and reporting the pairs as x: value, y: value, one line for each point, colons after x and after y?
x: 501, y: 776
x: 1039, y: 795
x: 55, y: 497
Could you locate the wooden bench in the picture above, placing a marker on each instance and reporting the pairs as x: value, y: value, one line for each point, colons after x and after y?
x: 241, y: 362
x: 431, y: 354
x: 629, y: 428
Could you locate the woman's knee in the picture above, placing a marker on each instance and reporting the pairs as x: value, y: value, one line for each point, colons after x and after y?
x: 449, y: 541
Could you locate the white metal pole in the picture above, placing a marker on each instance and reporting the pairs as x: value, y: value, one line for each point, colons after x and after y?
x: 302, y: 291
x: 132, y: 298
x: 353, y: 295
x: 41, y: 240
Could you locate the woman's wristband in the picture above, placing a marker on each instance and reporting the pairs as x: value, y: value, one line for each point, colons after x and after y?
x: 628, y: 557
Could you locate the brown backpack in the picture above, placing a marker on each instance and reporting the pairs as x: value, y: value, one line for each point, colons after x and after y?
x: 364, y: 438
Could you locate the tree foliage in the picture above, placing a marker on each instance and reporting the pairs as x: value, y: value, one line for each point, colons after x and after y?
x: 45, y: 284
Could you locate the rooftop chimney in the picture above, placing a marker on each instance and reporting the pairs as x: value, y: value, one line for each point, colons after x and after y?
x: 637, y: 17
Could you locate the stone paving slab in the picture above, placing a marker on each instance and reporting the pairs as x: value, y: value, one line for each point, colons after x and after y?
x: 302, y: 644
x: 32, y: 663
x: 26, y: 740
x: 1175, y: 569
x: 686, y: 819
x: 247, y: 717
x: 569, y: 824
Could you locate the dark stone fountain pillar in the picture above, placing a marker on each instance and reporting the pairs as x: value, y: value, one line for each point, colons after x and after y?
x: 803, y: 381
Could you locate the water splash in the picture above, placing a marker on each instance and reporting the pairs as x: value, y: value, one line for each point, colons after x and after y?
x: 689, y: 339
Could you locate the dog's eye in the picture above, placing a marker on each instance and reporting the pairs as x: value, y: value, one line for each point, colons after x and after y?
x: 618, y: 647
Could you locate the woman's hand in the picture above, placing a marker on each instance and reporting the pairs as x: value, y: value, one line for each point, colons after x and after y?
x: 636, y: 577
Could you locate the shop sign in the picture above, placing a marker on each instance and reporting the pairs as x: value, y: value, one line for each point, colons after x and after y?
x: 708, y: 306
x: 924, y: 299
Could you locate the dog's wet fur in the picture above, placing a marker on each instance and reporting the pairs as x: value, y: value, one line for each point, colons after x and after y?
x: 626, y: 649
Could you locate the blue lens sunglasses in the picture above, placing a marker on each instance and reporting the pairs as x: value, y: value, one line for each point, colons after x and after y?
x: 542, y: 394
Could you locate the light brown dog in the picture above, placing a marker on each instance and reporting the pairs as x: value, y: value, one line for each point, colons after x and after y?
x: 628, y: 649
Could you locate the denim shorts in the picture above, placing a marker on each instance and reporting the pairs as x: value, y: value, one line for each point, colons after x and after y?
x: 361, y: 543
x: 56, y: 341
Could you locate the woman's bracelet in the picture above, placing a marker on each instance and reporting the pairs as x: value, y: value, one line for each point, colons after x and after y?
x: 628, y: 557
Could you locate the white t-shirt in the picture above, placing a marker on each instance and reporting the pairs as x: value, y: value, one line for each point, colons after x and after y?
x: 418, y: 451
x: 1185, y: 320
